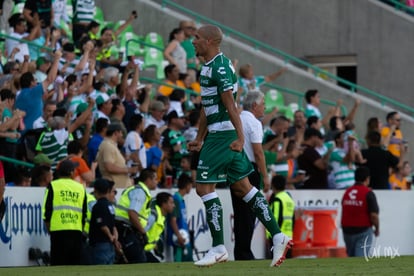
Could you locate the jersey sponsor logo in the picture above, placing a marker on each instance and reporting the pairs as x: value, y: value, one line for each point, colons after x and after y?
x: 353, y: 201
x: 207, y: 102
x: 221, y: 70
x: 222, y: 176
x: 352, y: 194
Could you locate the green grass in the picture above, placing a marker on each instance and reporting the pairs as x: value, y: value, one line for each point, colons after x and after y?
x: 334, y: 266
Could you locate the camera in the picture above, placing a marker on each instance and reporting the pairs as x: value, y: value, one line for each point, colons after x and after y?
x: 135, y: 14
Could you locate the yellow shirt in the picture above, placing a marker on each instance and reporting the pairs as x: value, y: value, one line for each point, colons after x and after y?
x: 397, y: 184
x: 395, y: 140
x: 167, y: 90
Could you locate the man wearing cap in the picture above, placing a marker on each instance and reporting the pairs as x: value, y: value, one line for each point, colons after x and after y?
x: 111, y: 162
x: 174, y: 140
x: 157, y: 111
x: 42, y: 66
x: 104, y: 106
x: 64, y: 214
x: 30, y: 98
x: 312, y: 162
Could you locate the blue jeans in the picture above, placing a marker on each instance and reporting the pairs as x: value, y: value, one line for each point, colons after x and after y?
x: 103, y: 253
x: 359, y: 245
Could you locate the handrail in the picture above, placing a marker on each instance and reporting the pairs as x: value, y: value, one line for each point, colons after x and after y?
x: 28, y: 42
x: 141, y: 42
x: 299, y: 94
x: 187, y: 91
x: 288, y: 58
x: 401, y: 6
x: 16, y: 161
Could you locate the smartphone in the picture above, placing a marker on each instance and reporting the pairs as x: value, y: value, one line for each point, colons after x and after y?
x: 134, y: 13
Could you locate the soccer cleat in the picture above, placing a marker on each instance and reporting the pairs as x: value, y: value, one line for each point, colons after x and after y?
x: 281, y: 244
x: 217, y: 254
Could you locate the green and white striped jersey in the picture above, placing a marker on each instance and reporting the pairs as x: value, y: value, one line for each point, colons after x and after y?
x: 217, y: 76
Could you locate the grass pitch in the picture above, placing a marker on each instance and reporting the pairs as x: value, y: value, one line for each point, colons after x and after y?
x: 331, y: 266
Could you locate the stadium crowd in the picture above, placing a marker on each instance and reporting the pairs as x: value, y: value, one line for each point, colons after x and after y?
x: 83, y: 107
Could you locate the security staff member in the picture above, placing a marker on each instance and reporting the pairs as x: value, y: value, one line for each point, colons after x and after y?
x: 282, y: 206
x: 131, y: 216
x: 360, y: 220
x: 64, y: 213
x: 164, y: 205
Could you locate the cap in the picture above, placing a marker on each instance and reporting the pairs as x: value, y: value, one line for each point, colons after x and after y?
x: 173, y: 115
x: 68, y: 47
x: 40, y: 61
x: 114, y: 127
x: 66, y: 167
x: 42, y: 159
x: 103, y: 185
x: 81, y: 108
x: 157, y: 106
x: 102, y: 98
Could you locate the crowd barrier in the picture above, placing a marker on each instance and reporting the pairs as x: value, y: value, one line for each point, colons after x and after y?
x: 22, y: 227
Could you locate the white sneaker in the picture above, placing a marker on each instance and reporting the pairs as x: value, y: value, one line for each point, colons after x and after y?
x: 281, y: 244
x: 217, y: 254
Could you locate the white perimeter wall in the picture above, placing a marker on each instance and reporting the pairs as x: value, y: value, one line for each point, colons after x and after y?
x: 23, y: 228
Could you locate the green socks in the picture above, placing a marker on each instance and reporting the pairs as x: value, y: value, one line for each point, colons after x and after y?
x: 259, y: 205
x: 214, y: 215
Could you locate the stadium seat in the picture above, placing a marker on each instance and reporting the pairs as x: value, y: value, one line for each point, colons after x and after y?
x: 65, y: 27
x: 274, y: 99
x: 128, y: 28
x: 18, y: 8
x: 154, y: 58
x: 99, y: 16
x: 134, y: 47
x: 154, y: 39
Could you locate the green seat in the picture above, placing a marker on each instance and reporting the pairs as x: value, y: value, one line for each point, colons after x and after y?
x: 155, y: 58
x: 154, y: 39
x: 18, y: 8
x: 99, y: 16
x: 65, y: 27
x: 274, y: 99
x: 134, y: 47
x: 128, y: 28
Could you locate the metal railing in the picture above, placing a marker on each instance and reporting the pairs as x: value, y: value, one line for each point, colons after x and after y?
x: 399, y: 6
x: 16, y: 161
x: 38, y: 47
x: 300, y: 95
x: 291, y: 59
x: 189, y: 92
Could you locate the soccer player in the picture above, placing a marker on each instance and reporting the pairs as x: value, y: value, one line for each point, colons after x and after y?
x: 222, y: 159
